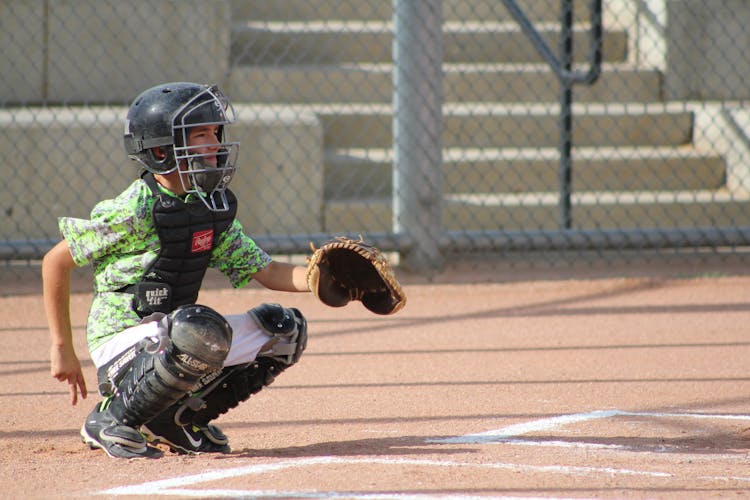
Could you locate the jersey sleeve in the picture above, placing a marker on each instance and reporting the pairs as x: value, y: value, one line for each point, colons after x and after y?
x: 116, y: 226
x: 237, y: 256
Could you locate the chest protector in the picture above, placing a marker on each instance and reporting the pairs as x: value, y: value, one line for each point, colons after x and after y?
x: 187, y: 234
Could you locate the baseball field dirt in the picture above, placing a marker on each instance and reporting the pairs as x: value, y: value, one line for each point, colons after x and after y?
x: 595, y: 387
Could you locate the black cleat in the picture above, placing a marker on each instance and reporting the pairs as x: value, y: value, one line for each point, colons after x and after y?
x: 100, y: 430
x: 185, y: 439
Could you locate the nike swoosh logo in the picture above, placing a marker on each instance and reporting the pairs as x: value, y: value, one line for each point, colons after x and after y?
x: 193, y: 441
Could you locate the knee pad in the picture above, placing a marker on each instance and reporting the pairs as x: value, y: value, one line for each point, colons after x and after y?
x: 200, y: 339
x: 194, y: 341
x: 287, y: 328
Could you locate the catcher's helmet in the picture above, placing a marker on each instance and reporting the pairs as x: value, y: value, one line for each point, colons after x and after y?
x: 163, y: 116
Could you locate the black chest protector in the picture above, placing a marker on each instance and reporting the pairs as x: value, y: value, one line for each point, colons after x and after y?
x: 187, y: 234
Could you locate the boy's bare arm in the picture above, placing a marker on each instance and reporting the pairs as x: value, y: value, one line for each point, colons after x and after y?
x: 64, y: 364
x: 284, y: 277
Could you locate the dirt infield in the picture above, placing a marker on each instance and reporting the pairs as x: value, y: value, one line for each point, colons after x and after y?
x: 600, y: 388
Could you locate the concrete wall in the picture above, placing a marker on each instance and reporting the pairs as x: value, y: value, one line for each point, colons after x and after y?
x: 22, y: 66
x: 62, y: 161
x: 106, y: 51
x: 58, y: 161
x: 279, y: 182
x: 707, y: 44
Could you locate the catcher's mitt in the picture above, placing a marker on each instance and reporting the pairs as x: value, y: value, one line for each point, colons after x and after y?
x: 343, y: 270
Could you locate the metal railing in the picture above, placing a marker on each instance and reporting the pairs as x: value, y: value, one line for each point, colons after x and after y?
x: 563, y: 68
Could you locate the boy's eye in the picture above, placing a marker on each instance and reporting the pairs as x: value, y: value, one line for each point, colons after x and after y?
x: 205, y: 133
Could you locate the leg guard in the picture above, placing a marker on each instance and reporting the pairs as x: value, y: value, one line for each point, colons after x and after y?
x: 194, y: 342
x: 287, y: 328
x: 217, y: 394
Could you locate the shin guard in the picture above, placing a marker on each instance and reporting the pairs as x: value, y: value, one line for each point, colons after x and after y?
x: 217, y: 394
x: 194, y: 342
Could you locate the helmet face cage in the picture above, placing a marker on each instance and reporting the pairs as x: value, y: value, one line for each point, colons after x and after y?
x: 163, y: 117
x: 206, y: 168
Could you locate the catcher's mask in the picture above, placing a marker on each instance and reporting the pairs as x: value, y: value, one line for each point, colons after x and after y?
x: 163, y: 117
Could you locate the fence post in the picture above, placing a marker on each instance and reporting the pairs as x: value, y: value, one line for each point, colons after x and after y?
x: 417, y: 130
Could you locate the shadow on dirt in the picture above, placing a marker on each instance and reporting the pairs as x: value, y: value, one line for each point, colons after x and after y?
x: 401, y: 445
x: 721, y: 443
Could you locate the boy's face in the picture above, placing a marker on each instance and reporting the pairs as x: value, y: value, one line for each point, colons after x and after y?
x: 205, y: 164
x: 204, y: 140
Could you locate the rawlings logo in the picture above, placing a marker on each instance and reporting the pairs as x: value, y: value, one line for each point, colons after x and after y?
x: 203, y: 241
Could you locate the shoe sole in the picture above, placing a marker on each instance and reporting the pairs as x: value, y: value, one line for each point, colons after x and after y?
x: 93, y: 444
x: 154, y: 438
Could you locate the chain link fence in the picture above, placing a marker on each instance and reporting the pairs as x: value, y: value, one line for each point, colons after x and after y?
x: 435, y: 129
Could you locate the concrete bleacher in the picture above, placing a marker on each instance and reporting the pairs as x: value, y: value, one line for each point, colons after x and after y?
x: 312, y: 80
x: 639, y: 161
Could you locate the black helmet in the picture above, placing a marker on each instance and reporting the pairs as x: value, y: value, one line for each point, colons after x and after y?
x: 162, y: 116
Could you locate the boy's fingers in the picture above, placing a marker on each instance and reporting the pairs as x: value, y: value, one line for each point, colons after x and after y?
x: 73, y: 393
x: 77, y: 383
x: 82, y: 387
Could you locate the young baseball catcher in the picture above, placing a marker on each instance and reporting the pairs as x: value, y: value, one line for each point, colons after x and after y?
x: 167, y: 366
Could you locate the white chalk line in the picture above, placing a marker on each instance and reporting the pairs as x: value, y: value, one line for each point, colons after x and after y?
x: 170, y: 486
x: 510, y: 434
x: 348, y: 496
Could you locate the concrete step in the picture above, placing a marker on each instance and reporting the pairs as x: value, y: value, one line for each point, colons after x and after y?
x: 331, y: 42
x: 539, y: 211
x: 518, y: 125
x: 461, y: 83
x: 379, y: 10
x: 368, y: 173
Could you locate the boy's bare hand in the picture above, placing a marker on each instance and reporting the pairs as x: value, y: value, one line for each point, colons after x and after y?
x: 64, y: 366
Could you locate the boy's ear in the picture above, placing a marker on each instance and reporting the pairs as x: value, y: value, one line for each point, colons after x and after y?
x: 159, y: 153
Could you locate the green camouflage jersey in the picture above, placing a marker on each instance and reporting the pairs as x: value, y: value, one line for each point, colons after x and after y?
x: 120, y: 241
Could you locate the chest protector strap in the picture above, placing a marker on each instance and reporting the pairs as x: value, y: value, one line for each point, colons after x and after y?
x: 187, y: 234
